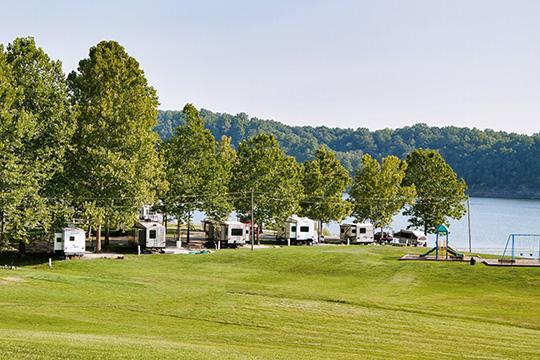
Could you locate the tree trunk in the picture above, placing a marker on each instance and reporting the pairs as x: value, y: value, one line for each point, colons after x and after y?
x: 178, y: 228
x: 1, y: 228
x: 22, y: 247
x: 98, y: 239
x: 165, y: 224
x: 188, y: 227
x: 90, y: 234
x: 107, y: 234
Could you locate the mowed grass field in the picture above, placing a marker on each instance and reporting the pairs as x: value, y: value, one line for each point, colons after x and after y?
x: 327, y: 302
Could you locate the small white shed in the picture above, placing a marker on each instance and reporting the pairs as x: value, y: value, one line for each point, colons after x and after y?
x: 151, y: 234
x: 298, y: 230
x: 356, y: 233
x: 70, y: 241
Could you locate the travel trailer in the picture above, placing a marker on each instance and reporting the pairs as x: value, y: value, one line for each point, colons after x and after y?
x: 228, y: 233
x: 411, y: 237
x: 150, y: 235
x: 353, y: 233
x: 297, y: 230
x: 70, y: 241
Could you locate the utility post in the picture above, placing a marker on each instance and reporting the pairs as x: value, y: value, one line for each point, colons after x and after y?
x: 252, y: 222
x: 469, y: 222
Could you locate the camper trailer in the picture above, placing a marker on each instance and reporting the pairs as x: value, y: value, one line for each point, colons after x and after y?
x: 411, y: 238
x: 70, y: 241
x: 150, y: 235
x: 297, y: 230
x: 233, y: 233
x: 228, y: 233
x: 356, y: 233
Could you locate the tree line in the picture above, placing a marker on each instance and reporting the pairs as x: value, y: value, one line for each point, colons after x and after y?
x: 493, y: 163
x: 83, y: 146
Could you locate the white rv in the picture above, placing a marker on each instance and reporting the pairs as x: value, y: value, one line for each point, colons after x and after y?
x: 298, y: 230
x: 70, y: 241
x: 234, y: 232
x: 411, y: 237
x: 356, y: 233
x: 150, y: 235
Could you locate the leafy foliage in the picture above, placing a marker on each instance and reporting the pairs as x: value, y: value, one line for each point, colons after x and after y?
x: 36, y: 126
x: 325, y: 180
x: 114, y: 163
x: 197, y: 170
x: 440, y: 194
x: 377, y: 193
x: 274, y: 177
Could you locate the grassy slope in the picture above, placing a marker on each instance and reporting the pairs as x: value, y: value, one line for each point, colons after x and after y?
x: 307, y: 303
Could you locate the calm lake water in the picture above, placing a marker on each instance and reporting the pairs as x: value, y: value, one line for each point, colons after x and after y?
x: 492, y: 220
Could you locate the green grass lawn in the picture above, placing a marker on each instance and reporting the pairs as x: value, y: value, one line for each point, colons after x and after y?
x: 287, y: 303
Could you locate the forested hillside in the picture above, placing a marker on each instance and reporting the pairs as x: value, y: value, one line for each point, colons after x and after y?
x: 493, y: 163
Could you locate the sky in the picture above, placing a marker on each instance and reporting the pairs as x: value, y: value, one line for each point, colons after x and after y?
x: 338, y: 63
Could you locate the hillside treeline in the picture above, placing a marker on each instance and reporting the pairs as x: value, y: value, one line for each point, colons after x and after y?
x: 493, y: 163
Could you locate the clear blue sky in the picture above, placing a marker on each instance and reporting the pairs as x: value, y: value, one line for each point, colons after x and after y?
x: 353, y: 64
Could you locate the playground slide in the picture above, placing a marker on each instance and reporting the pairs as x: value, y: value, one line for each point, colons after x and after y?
x: 451, y: 251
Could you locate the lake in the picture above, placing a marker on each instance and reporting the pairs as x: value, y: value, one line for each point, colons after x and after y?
x: 492, y: 220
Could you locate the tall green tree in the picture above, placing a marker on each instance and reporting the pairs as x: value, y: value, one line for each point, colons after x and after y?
x: 377, y: 193
x: 325, y: 181
x: 274, y: 178
x: 43, y: 110
x: 114, y: 164
x: 220, y: 205
x: 196, y: 176
x: 440, y: 193
x: 16, y: 183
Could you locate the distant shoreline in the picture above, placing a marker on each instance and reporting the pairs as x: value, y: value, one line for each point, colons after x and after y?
x: 505, y: 196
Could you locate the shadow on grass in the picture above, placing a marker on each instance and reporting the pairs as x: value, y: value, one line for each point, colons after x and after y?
x: 12, y: 258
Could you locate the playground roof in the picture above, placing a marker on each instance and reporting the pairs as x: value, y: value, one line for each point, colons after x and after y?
x: 442, y: 229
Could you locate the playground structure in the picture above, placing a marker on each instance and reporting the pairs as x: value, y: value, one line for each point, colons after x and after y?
x: 442, y: 249
x: 523, y: 247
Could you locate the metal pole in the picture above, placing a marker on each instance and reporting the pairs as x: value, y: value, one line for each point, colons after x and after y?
x: 252, y: 222
x: 469, y: 222
x: 513, y: 256
x: 446, y: 246
x: 437, y: 245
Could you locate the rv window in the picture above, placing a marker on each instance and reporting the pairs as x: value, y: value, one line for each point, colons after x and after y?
x: 304, y: 228
x: 293, y: 228
x: 362, y: 230
x: 237, y: 232
x: 153, y: 234
x: 72, y: 238
x: 342, y: 230
x: 353, y: 229
x: 59, y: 240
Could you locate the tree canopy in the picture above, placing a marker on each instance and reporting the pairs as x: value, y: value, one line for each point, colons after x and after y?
x: 325, y: 180
x: 114, y: 163
x: 197, y: 170
x: 274, y: 178
x: 35, y: 130
x: 377, y: 193
x: 440, y: 194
